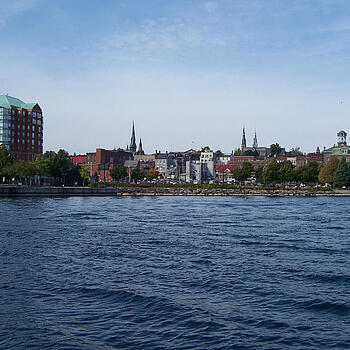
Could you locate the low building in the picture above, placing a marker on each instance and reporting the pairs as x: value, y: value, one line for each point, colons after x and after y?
x: 78, y: 159
x: 101, y: 161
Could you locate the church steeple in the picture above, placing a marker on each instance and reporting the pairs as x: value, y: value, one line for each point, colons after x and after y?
x: 255, y: 141
x: 133, y: 139
x: 244, y: 141
x: 140, y: 150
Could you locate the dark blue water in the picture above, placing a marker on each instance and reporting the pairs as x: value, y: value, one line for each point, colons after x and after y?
x: 175, y: 273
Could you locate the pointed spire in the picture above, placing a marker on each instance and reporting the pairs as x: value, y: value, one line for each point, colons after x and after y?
x: 140, y: 150
x: 244, y: 141
x: 133, y: 139
x: 255, y: 141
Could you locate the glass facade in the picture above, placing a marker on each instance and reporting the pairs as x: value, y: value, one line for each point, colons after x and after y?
x: 5, y: 127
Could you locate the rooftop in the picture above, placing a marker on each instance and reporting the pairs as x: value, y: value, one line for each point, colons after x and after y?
x: 9, y: 102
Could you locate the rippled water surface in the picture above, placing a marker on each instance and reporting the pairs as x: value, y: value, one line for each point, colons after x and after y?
x: 175, y: 273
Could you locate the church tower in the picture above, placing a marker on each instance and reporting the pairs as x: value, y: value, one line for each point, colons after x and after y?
x: 342, y: 138
x: 244, y: 141
x: 255, y: 141
x: 140, y: 150
x: 133, y: 140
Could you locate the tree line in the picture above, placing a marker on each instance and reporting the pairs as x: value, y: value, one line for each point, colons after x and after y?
x: 57, y: 167
x: 335, y: 173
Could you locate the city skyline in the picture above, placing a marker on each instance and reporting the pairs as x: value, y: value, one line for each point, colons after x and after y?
x: 189, y: 74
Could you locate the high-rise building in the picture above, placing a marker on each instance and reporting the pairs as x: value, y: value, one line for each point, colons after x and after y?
x: 21, y: 128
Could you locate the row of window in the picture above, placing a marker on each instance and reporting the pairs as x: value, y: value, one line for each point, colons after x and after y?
x: 28, y: 127
x: 25, y: 113
x: 25, y: 148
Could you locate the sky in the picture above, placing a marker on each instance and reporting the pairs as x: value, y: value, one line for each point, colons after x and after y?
x: 189, y: 73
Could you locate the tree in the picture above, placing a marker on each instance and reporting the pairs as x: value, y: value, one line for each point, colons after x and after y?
x: 58, y: 163
x: 136, y: 174
x: 21, y: 169
x: 272, y: 173
x: 308, y: 173
x: 5, y: 160
x: 342, y: 175
x: 41, y: 166
x: 327, y: 172
x: 84, y: 173
x: 259, y: 172
x: 295, y: 152
x: 247, y: 169
x: 287, y: 173
x: 242, y: 174
x: 275, y: 149
x: 152, y: 174
x: 118, y: 172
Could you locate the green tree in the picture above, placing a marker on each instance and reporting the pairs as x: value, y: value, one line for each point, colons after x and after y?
x: 327, y: 172
x: 275, y: 149
x: 287, y: 173
x: 272, y: 173
x: 294, y: 152
x: 21, y: 170
x: 152, y: 174
x: 136, y: 174
x: 247, y: 169
x: 118, y: 172
x: 308, y: 173
x: 41, y: 166
x: 58, y: 163
x: 243, y: 173
x: 5, y: 161
x: 84, y: 173
x: 342, y: 175
x: 259, y: 172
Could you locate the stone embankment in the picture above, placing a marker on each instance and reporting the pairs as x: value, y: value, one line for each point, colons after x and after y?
x: 18, y: 191
x: 193, y: 191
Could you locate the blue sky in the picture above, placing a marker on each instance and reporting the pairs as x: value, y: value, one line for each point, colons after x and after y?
x: 190, y: 73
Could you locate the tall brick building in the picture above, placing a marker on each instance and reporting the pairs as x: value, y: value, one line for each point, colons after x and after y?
x: 21, y: 128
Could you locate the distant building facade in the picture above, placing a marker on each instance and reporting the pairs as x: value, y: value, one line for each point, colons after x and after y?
x: 21, y: 128
x: 342, y: 149
x: 102, y: 161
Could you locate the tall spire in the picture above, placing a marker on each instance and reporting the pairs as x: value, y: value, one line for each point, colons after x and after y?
x: 133, y: 139
x: 140, y: 150
x: 255, y: 141
x: 244, y: 141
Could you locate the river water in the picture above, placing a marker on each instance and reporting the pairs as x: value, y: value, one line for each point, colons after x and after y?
x: 175, y: 273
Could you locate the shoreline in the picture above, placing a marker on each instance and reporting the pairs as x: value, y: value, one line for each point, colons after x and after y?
x: 19, y: 191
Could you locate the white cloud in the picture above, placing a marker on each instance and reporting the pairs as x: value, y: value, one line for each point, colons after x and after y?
x: 155, y: 38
